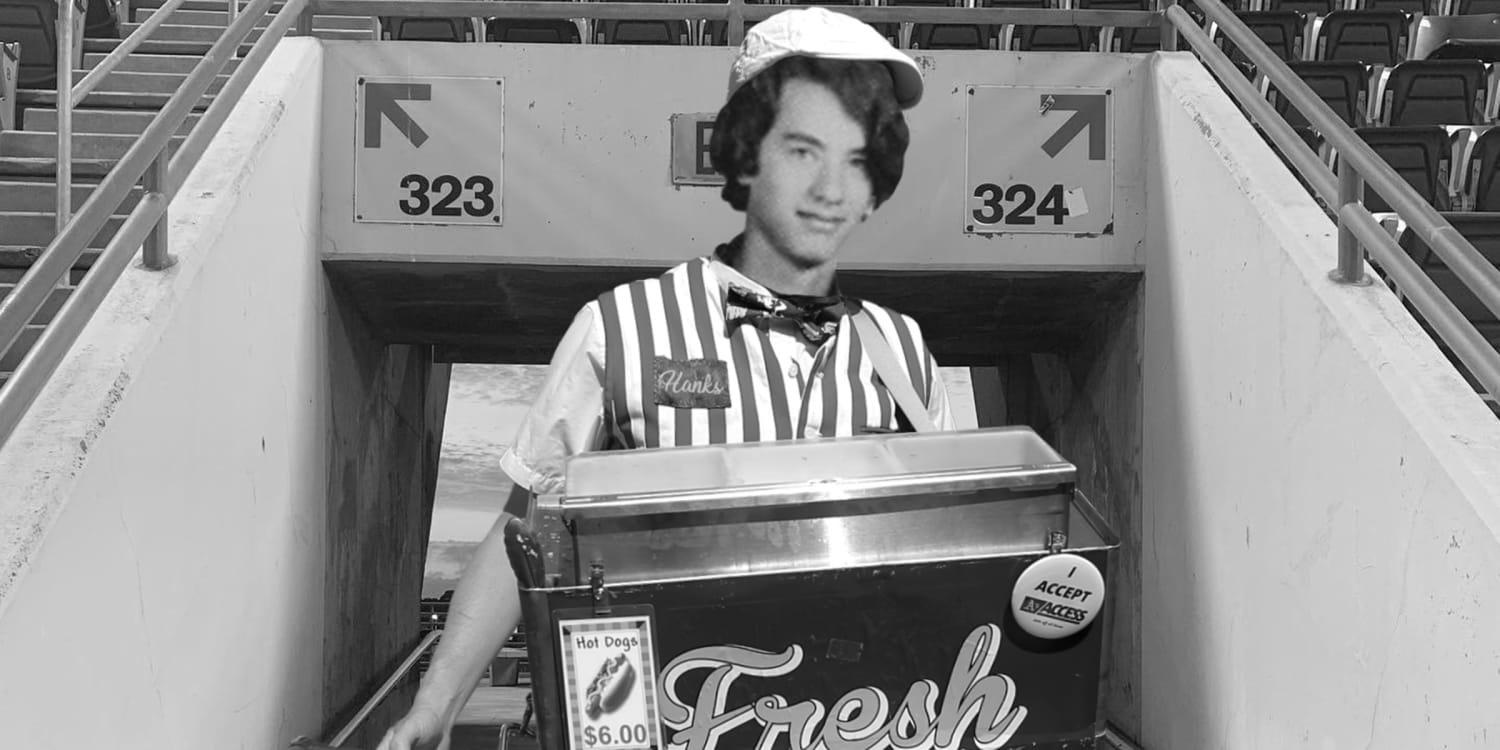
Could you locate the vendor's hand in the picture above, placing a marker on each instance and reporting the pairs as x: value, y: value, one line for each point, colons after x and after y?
x: 421, y: 729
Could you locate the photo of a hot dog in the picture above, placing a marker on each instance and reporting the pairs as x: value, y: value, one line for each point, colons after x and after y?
x: 610, y: 687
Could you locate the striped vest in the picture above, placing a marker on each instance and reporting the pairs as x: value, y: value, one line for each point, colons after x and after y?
x: 654, y: 326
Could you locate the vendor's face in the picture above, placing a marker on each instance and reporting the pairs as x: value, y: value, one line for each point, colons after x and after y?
x: 811, y: 189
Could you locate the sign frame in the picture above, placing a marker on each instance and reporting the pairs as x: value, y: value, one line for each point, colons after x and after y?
x: 1010, y: 200
x: 435, y: 196
x: 574, y: 681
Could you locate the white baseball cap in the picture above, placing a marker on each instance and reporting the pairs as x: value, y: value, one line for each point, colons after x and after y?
x: 819, y: 32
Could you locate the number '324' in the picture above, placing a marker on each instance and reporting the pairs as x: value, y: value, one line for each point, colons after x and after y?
x: 436, y: 197
x: 1025, y: 208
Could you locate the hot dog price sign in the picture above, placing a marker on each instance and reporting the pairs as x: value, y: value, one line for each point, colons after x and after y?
x: 609, y: 684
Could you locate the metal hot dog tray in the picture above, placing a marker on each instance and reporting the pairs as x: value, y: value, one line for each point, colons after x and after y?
x: 934, y: 590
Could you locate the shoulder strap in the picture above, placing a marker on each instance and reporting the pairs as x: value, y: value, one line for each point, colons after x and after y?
x: 892, y: 374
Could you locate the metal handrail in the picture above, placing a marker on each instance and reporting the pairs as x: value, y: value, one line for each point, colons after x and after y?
x: 146, y: 158
x: 375, y: 700
x: 1358, y: 164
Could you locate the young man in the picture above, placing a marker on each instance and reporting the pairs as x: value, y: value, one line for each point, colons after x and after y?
x: 751, y: 343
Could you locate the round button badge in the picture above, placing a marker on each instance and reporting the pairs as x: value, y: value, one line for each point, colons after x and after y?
x: 1057, y: 596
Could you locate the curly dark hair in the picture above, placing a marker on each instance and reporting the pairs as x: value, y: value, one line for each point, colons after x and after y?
x: 868, y: 95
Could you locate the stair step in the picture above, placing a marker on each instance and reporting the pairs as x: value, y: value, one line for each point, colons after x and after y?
x: 85, y: 145
x: 211, y: 34
x: 31, y: 166
x: 146, y: 83
x: 107, y: 100
x: 48, y: 311
x: 12, y: 275
x: 37, y: 228
x: 41, y: 195
x: 15, y: 259
x: 137, y: 63
x: 220, y: 18
x: 11, y: 359
x: 126, y: 121
x: 153, y: 47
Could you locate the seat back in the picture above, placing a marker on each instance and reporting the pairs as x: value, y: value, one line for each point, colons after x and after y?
x: 1433, y: 32
x: 954, y: 35
x: 33, y: 24
x: 1342, y: 84
x: 1056, y: 38
x: 421, y: 29
x: 1435, y: 92
x: 1306, y: 7
x: 102, y: 21
x: 642, y: 31
x: 10, y: 69
x: 1372, y: 36
x: 1281, y: 30
x: 1483, y: 231
x: 1420, y: 154
x: 1482, y: 179
x: 532, y: 31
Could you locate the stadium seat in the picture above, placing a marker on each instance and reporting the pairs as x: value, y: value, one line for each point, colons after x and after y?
x: 532, y: 31
x: 954, y: 36
x: 1455, y: 37
x: 1422, y: 155
x: 10, y: 67
x: 1343, y: 85
x: 420, y: 29
x: 102, y: 21
x: 717, y: 32
x: 33, y: 24
x: 1481, y: 187
x: 1055, y: 38
x: 641, y: 31
x: 1474, y: 7
x: 1483, y: 231
x: 1281, y: 30
x: 1378, y: 37
x: 1434, y: 92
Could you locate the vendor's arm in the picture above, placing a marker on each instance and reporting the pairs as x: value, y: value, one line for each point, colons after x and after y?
x: 566, y: 418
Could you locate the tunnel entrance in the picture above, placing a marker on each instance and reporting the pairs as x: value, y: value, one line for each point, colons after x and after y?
x: 1058, y: 351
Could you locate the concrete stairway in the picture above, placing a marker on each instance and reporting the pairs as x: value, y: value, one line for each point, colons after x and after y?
x: 105, y: 126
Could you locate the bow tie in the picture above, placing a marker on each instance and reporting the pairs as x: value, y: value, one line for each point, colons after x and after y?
x: 816, y: 317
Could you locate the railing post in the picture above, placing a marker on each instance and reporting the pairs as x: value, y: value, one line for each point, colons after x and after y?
x: 305, y: 21
x: 234, y: 10
x: 1168, y: 29
x: 64, y: 37
x: 735, y: 31
x: 1351, y: 268
x: 154, y: 255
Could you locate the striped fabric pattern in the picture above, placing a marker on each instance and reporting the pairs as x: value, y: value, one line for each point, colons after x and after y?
x: 680, y: 315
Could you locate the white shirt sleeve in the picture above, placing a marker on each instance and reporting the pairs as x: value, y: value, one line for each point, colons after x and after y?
x: 567, y: 417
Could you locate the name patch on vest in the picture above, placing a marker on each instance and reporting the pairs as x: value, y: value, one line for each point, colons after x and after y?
x: 692, y: 383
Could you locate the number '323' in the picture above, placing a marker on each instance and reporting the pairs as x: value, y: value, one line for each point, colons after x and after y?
x: 438, y: 196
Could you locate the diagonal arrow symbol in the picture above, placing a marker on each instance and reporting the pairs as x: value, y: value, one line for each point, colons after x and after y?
x: 383, y: 100
x: 1088, y: 112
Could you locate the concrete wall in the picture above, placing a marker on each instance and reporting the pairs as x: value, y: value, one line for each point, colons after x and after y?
x: 1321, y: 523
x: 216, y: 515
x: 1090, y: 410
x: 172, y: 596
x: 587, y: 154
x: 384, y: 438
